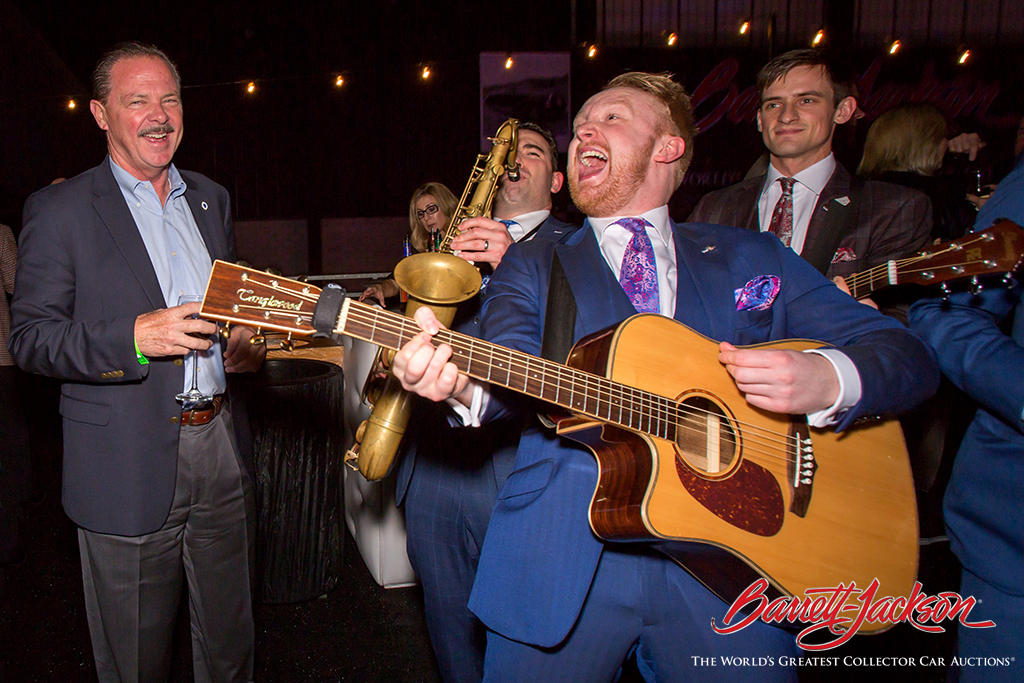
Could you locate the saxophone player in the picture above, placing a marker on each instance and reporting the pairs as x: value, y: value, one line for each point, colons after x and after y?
x: 449, y: 476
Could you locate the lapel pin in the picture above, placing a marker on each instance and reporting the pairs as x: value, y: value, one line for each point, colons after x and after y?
x: 843, y: 200
x: 205, y: 206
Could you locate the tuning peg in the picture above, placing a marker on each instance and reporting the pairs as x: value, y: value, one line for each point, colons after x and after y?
x: 224, y: 330
x: 976, y: 286
x: 286, y: 345
x: 258, y: 338
x: 945, y: 291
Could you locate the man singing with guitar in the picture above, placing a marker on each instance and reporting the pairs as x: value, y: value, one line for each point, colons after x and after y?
x: 555, y: 597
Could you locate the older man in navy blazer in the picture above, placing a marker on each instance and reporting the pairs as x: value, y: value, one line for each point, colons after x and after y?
x: 159, y: 490
x: 559, y: 603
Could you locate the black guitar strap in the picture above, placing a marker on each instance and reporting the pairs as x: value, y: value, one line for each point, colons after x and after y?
x: 839, y: 225
x: 560, y: 316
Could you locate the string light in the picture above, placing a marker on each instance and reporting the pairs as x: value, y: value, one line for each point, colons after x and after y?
x: 72, y: 104
x: 508, y: 62
x: 672, y: 38
x: 251, y: 88
x: 339, y: 81
x: 895, y: 47
x: 744, y: 27
x: 964, y: 56
x: 425, y: 74
x: 592, y: 52
x: 818, y: 37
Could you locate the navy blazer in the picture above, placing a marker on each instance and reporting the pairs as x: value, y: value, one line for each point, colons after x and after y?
x: 429, y: 431
x: 84, y: 276
x: 982, y: 507
x: 540, y: 555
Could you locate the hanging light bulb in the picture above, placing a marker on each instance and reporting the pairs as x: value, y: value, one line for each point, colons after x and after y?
x: 425, y: 74
x: 895, y: 47
x: 964, y: 56
x: 339, y: 81
x: 672, y: 38
x: 508, y: 62
x: 592, y: 52
x: 72, y: 104
x: 251, y: 88
x: 818, y: 37
x: 744, y: 27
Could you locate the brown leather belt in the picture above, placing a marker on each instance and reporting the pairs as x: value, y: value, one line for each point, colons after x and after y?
x: 201, y: 416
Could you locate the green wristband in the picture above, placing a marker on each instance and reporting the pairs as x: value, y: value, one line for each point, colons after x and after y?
x: 138, y: 354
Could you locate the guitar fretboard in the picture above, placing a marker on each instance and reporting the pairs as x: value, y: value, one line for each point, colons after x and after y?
x: 575, y: 390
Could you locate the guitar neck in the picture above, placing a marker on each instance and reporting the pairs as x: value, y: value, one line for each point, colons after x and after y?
x: 996, y: 250
x: 575, y: 390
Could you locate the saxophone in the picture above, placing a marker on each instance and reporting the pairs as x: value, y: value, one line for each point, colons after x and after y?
x: 442, y: 281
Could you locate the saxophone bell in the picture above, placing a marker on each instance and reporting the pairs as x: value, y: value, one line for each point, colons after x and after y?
x: 439, y: 280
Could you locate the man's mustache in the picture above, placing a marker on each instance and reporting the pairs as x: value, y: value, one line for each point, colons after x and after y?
x: 161, y: 128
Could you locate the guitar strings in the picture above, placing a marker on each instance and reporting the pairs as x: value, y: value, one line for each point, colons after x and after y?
x: 881, y: 272
x: 658, y: 410
x: 661, y: 413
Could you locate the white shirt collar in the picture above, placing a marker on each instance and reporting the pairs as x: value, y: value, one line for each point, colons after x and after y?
x: 657, y: 217
x: 815, y: 177
x: 526, y: 223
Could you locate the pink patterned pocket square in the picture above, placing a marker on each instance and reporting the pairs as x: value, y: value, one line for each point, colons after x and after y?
x: 844, y: 254
x: 758, y: 294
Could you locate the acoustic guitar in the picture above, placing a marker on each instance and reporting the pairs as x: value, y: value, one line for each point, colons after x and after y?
x: 730, y: 491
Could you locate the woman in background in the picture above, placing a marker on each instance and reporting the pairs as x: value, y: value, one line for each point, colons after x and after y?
x: 906, y: 146
x: 430, y: 208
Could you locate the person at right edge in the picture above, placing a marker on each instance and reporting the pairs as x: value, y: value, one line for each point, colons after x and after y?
x: 983, y: 514
x: 559, y: 603
x: 449, y: 477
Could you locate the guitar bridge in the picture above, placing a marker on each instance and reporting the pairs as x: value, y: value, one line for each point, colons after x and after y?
x: 801, y: 467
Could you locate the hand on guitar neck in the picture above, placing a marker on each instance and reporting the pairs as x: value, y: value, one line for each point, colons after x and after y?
x: 425, y: 370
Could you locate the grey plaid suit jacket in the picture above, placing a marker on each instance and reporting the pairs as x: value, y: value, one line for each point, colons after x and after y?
x: 889, y: 221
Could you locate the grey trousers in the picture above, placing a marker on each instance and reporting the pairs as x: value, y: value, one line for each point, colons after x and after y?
x: 132, y: 584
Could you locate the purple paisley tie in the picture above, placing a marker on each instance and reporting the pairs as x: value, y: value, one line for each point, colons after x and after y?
x: 782, y: 216
x: 639, y: 273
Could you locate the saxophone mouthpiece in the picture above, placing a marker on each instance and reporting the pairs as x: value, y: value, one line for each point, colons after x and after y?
x: 513, y: 173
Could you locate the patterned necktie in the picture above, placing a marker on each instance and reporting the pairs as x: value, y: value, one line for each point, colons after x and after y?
x: 639, y: 273
x: 782, y: 218
x: 508, y: 224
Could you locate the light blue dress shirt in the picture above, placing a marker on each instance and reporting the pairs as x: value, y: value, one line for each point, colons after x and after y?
x: 178, y: 254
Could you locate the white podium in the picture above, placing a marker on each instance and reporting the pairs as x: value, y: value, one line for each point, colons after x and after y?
x: 374, y: 520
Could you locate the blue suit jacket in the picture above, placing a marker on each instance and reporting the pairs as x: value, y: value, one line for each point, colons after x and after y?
x: 430, y: 433
x: 540, y: 555
x: 983, y: 511
x: 84, y: 275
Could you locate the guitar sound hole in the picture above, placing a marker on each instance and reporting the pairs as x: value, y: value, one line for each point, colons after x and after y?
x: 705, y: 438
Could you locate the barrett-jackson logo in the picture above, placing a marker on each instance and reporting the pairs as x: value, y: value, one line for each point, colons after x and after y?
x: 249, y: 296
x: 827, y: 608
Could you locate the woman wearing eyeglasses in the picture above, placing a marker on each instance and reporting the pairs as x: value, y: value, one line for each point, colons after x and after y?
x: 431, y: 206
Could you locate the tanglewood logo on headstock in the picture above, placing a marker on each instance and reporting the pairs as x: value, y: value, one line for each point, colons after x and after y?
x: 249, y: 296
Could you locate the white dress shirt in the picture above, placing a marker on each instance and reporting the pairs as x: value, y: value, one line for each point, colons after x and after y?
x: 809, y: 185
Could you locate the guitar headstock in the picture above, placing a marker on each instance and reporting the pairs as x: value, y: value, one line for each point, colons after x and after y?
x: 994, y: 251
x: 254, y: 298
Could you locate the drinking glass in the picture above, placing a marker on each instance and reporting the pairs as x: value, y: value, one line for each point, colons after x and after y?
x: 193, y: 397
